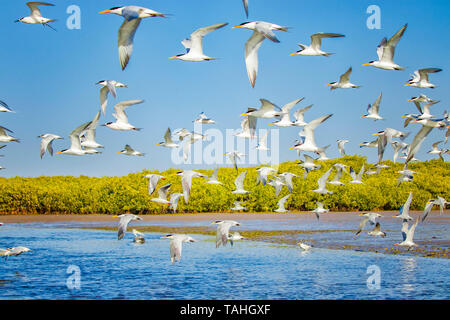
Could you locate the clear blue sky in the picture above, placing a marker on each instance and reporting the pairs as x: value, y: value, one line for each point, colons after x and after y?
x: 49, y: 77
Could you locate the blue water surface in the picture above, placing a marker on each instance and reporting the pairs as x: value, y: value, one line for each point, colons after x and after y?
x: 112, y: 269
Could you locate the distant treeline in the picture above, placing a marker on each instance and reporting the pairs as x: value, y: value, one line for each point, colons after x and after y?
x: 113, y: 195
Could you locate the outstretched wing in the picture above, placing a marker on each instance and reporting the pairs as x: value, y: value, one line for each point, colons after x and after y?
x: 33, y: 5
x: 194, y: 44
x: 126, y: 37
x: 251, y: 55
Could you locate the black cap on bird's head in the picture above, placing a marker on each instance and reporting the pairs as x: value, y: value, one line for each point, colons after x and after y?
x: 368, y: 63
x: 111, y: 10
x: 240, y: 25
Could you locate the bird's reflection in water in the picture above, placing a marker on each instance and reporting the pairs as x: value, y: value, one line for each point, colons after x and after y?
x: 408, y: 268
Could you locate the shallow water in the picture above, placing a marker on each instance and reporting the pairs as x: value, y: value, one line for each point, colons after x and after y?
x: 112, y: 269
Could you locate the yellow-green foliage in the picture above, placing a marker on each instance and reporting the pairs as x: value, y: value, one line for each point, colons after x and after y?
x: 112, y: 195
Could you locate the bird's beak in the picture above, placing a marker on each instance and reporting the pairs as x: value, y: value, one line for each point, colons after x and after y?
x: 407, y: 85
x: 163, y: 178
x: 362, y: 117
x: 359, y: 215
x: 158, y: 144
x: 376, y: 134
x: 213, y: 223
x: 415, y: 121
x: 410, y: 99
x: 115, y: 216
x: 293, y: 54
x: 244, y: 114
x: 164, y: 237
x: 118, y: 152
x: 174, y: 57
x: 404, y: 116
x: 395, y: 244
x: 366, y: 64
x: 327, y: 85
x: 270, y: 123
x: 105, y: 11
x: 235, y: 27
x: 291, y: 147
x: 59, y: 152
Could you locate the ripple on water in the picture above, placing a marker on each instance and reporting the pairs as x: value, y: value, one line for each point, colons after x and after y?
x: 112, y: 269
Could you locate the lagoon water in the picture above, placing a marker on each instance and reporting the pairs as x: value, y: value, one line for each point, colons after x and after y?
x: 112, y: 269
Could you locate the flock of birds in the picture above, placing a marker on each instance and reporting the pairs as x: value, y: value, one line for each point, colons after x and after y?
x: 83, y: 138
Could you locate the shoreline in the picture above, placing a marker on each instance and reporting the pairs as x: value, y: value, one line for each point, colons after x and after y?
x: 336, y: 231
x: 26, y: 218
